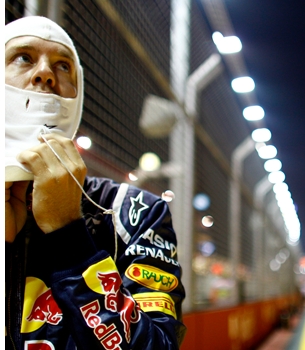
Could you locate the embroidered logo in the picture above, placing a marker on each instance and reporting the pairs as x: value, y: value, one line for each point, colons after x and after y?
x: 137, y: 206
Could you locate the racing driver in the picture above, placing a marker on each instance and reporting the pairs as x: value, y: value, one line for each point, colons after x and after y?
x: 90, y: 264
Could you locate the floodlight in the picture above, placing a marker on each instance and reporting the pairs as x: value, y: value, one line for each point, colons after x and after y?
x: 243, y: 84
x: 253, y: 113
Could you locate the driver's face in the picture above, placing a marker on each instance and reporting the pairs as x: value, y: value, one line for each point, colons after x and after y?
x: 40, y: 65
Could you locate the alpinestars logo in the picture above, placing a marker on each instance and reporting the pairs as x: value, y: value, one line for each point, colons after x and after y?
x: 137, y: 206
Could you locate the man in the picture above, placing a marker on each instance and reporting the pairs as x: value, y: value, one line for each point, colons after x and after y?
x: 78, y: 275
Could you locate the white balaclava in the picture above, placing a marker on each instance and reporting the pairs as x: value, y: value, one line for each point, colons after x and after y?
x: 29, y: 113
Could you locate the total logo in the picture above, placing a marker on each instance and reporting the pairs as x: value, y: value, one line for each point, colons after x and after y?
x: 39, y: 306
x: 152, y: 277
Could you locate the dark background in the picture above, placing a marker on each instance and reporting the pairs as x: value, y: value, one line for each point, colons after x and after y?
x: 273, y: 36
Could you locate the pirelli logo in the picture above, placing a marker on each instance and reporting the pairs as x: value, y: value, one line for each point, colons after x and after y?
x: 156, y: 301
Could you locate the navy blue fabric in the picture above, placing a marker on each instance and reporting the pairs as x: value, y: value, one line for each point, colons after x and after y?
x: 84, y: 318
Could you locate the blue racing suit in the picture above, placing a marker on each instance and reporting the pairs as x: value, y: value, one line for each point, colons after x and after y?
x: 109, y: 280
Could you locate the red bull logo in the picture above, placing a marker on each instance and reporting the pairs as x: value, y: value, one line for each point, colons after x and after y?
x: 103, y: 278
x: 39, y: 306
x: 109, y: 337
x: 45, y: 309
x: 117, y: 301
x: 38, y: 345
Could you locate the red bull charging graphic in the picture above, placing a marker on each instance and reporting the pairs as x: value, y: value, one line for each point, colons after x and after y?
x: 39, y: 306
x: 103, y: 278
x: 45, y: 309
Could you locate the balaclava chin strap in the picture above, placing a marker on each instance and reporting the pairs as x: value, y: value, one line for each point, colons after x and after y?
x: 29, y: 113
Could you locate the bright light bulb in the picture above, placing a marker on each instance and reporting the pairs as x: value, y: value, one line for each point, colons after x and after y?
x: 168, y: 196
x: 261, y: 135
x: 253, y: 113
x: 207, y: 221
x: 201, y: 201
x: 267, y: 152
x: 294, y: 235
x: 84, y: 142
x: 259, y: 145
x: 228, y: 44
x: 276, y: 176
x: 243, y: 84
x: 149, y: 161
x: 282, y: 195
x: 132, y: 177
x: 285, y: 203
x: 217, y: 38
x: 273, y: 165
x: 280, y: 187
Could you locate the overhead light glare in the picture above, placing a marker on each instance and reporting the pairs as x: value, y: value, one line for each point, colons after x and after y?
x: 276, y: 177
x: 259, y: 145
x: 273, y: 165
x: 133, y: 177
x: 149, y: 162
x: 261, y: 135
x: 207, y: 221
x: 282, y: 195
x: 226, y: 44
x: 243, y: 84
x: 285, y: 203
x: 267, y: 152
x: 84, y: 142
x: 201, y: 201
x: 168, y: 196
x: 280, y: 187
x: 274, y: 265
x: 217, y: 37
x: 254, y: 113
x: 294, y: 236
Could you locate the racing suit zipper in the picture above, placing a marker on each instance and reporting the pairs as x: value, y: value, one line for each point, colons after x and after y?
x: 14, y: 289
x: 8, y: 326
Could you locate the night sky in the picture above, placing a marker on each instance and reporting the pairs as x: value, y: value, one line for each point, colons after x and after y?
x: 273, y: 36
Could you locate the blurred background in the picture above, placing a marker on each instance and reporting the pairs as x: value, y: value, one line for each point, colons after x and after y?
x: 164, y: 110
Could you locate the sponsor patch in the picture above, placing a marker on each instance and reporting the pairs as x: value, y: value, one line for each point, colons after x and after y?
x: 137, y: 249
x: 39, y: 306
x: 155, y: 301
x: 152, y: 277
x: 103, y: 278
x: 90, y: 275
